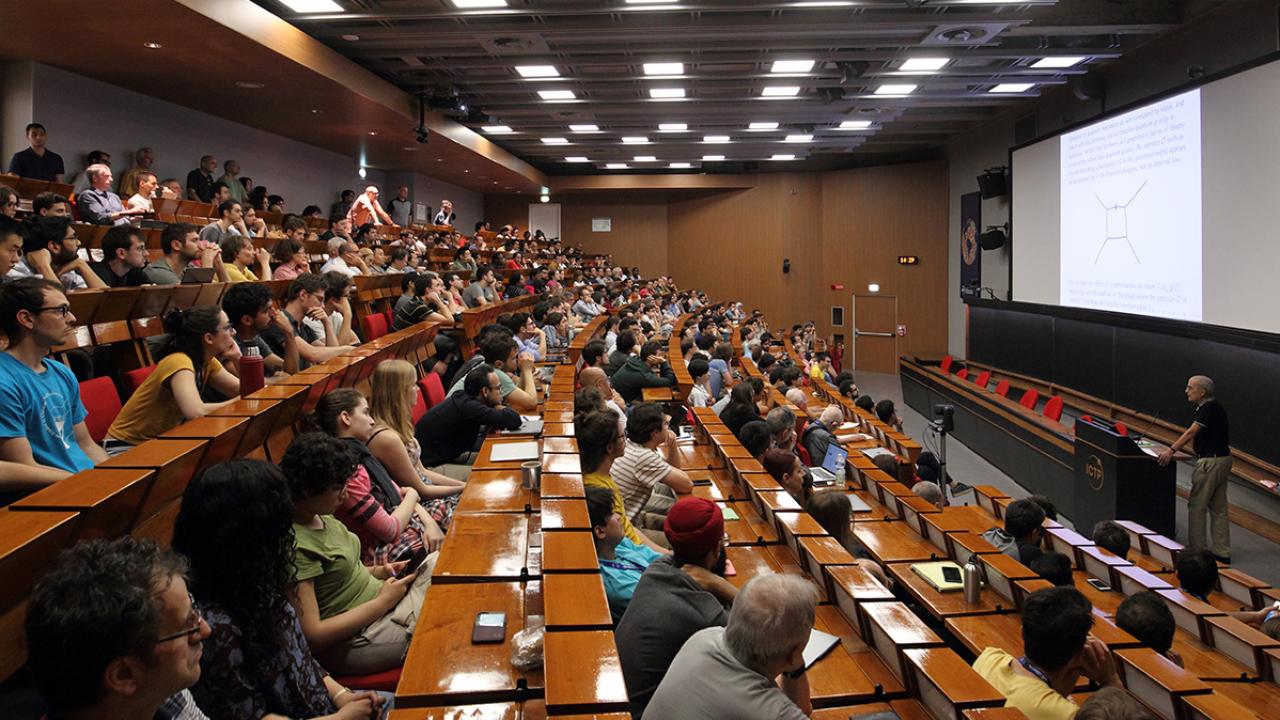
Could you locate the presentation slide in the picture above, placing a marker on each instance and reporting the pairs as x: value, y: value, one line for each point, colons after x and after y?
x: 1130, y: 212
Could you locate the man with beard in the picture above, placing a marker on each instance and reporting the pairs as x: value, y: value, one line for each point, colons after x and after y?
x: 50, y: 252
x: 677, y: 596
x: 181, y: 247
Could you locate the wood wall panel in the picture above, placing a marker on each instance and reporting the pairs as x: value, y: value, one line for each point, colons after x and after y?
x: 638, y: 235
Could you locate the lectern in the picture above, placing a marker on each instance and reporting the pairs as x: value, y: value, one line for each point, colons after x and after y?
x: 1115, y: 479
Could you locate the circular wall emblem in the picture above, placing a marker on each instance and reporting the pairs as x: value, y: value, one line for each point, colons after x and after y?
x: 1093, y: 468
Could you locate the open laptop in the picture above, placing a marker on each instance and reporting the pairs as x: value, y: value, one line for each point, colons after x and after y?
x: 831, y: 464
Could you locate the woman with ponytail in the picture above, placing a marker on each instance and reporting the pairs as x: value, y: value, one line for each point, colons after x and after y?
x: 388, y: 518
x: 199, y: 337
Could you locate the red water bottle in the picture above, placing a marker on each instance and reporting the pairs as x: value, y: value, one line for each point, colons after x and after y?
x: 251, y: 373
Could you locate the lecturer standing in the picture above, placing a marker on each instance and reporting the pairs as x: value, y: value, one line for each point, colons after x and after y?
x: 1208, y: 436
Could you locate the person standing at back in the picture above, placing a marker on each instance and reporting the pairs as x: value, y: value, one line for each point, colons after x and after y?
x: 1209, y: 439
x: 37, y: 161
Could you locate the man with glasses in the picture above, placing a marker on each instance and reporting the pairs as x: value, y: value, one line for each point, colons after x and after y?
x: 305, y: 299
x: 113, y: 633
x: 8, y: 201
x: 451, y: 430
x: 51, y: 250
x: 43, y: 437
x: 124, y: 254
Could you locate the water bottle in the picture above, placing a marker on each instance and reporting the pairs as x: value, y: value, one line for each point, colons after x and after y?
x: 972, y: 580
x: 251, y: 371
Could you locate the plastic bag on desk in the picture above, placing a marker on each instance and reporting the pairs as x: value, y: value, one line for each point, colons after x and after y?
x: 526, y: 645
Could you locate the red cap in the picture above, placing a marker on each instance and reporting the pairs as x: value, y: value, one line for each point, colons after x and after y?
x: 694, y: 527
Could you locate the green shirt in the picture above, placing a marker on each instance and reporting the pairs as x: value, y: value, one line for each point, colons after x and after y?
x: 505, y: 384
x: 331, y: 558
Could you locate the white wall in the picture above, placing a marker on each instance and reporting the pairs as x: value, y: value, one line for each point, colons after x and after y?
x: 468, y: 205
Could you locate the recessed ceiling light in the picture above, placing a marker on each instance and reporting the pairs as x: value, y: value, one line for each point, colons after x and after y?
x: 635, y: 140
x: 923, y: 64
x: 798, y: 138
x: 250, y: 84
x: 537, y: 71
x: 895, y: 89
x: 664, y: 68
x: 555, y: 141
x: 649, y: 2
x: 783, y: 157
x: 408, y: 148
x: 1012, y: 87
x: 791, y: 66
x: 1057, y: 62
x: 469, y: 4
x: 576, y: 158
x: 497, y: 129
x: 584, y: 128
x: 645, y: 158
x: 557, y: 95
x: 712, y: 158
x: 317, y: 111
x: 672, y: 127
x: 781, y: 91
x: 715, y: 139
x: 680, y: 166
x: 822, y: 3
x: 312, y: 6
x: 666, y: 93
x: 615, y: 166
x: 351, y: 37
x: 763, y: 126
x: 152, y: 45
x: 855, y: 125
x: 373, y: 132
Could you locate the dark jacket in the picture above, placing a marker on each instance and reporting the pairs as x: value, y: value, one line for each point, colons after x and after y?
x: 616, y: 361
x: 453, y: 427
x: 817, y: 438
x: 634, y: 376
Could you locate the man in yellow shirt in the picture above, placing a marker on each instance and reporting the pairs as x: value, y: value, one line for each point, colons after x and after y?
x: 1059, y: 649
x: 600, y: 442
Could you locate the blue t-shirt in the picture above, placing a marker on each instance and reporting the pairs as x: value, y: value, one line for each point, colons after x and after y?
x: 44, y: 408
x: 622, y: 573
x: 717, y: 367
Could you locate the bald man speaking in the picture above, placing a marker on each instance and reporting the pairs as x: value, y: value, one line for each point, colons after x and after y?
x: 1208, y: 438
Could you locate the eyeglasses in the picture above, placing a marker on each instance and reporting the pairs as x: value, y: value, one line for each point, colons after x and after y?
x: 195, y: 619
x: 63, y: 310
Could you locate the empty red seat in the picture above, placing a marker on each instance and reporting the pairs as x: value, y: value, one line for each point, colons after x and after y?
x: 1121, y: 428
x: 1029, y: 398
x: 374, y: 326
x: 385, y: 680
x: 134, y: 379
x: 1053, y: 408
x: 946, y: 364
x: 390, y: 315
x: 1002, y: 388
x: 419, y: 407
x: 983, y: 379
x: 432, y: 388
x: 102, y: 402
x: 963, y: 374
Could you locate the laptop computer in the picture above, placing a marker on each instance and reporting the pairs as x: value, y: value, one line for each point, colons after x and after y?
x: 833, y: 463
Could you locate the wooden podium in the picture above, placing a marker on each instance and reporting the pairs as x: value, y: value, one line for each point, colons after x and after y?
x: 1115, y: 479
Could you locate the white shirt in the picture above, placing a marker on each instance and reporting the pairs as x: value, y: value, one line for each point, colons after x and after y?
x: 340, y: 265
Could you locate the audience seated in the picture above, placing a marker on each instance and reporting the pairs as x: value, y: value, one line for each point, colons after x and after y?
x: 305, y: 299
x: 528, y: 336
x: 755, y: 438
x: 930, y: 491
x: 1197, y: 572
x: 622, y: 562
x: 481, y: 291
x: 819, y: 434
x: 344, y: 257
x: 8, y: 201
x: 181, y: 245
x: 1145, y: 616
x: 586, y: 307
x: 730, y: 672
x: 648, y: 474
x: 124, y: 254
x: 111, y: 632
x: 1022, y: 534
x: 235, y: 527
x: 10, y: 245
x: 1047, y: 505
x: 356, y: 619
x: 250, y: 309
x: 600, y: 443
x: 498, y: 348
x: 1111, y: 537
x: 888, y: 414
x: 649, y: 369
x: 786, y: 468
x: 140, y: 200
x: 43, y: 437
x: 1113, y: 703
x: 230, y: 212
x: 199, y: 337
x: 677, y: 596
x: 449, y: 433
x: 51, y: 251
x: 782, y: 428
x: 833, y: 511
x: 1054, y: 567
x: 700, y: 393
x: 595, y: 378
x: 623, y: 349
x: 721, y: 374
x: 887, y: 463
x: 864, y: 402
x: 1058, y: 650
x: 238, y: 255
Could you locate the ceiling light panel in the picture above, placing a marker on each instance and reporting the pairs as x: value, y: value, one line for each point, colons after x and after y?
x: 497, y: 130
x: 313, y: 6
x: 680, y: 166
x: 635, y: 140
x: 712, y: 158
x: 791, y: 66
x: 537, y: 71
x: 896, y: 89
x: 855, y: 125
x: 645, y: 158
x: 781, y: 91
x: 923, y: 64
x: 557, y: 95
x: 555, y: 141
x: 584, y: 128
x: 783, y: 157
x: 672, y: 127
x: 473, y: 4
x: 715, y: 139
x: 658, y: 69
x: 615, y: 166
x: 1057, y: 63
x: 798, y: 138
x: 666, y: 93
x: 763, y: 126
x: 577, y: 159
x: 1011, y: 88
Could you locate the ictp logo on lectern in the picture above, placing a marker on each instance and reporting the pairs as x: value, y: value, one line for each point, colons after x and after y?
x: 1093, y: 468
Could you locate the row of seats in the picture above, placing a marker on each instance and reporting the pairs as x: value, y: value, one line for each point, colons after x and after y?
x: 1030, y: 397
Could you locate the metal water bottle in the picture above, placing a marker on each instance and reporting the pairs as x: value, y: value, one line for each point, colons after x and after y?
x: 972, y: 580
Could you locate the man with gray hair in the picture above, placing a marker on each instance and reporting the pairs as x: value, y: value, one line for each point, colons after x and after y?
x: 929, y: 491
x: 754, y: 667
x: 782, y: 426
x: 99, y: 205
x: 1209, y: 439
x: 819, y: 434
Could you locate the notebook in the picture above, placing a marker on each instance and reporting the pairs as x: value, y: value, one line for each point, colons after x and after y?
x: 859, y: 505
x: 819, y: 644
x: 529, y: 425
x: 944, y: 576
x: 511, y: 452
x: 831, y: 464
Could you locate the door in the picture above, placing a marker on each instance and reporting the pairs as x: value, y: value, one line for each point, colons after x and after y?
x: 875, y: 337
x: 545, y: 217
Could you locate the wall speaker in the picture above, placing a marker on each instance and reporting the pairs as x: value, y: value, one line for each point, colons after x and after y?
x: 993, y: 183
x: 993, y: 239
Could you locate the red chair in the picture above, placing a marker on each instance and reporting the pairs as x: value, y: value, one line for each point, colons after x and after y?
x: 984, y: 378
x: 963, y: 374
x: 1122, y: 429
x: 1029, y: 399
x: 1087, y: 418
x: 134, y: 379
x: 432, y: 388
x: 946, y: 364
x: 419, y: 407
x: 102, y: 403
x: 1002, y: 388
x: 385, y: 680
x: 390, y: 315
x: 1053, y: 408
x: 374, y: 326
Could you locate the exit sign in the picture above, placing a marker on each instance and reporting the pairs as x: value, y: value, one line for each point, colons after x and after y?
x: 908, y: 260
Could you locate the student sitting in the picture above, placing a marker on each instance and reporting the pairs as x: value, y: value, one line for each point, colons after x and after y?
x: 622, y: 562
x: 1022, y: 534
x: 786, y: 468
x: 646, y: 370
x: 1054, y: 567
x: 600, y: 444
x: 1058, y: 650
x: 1145, y: 616
x: 249, y: 308
x: 650, y: 480
x: 1109, y: 536
x: 201, y: 336
x: 930, y: 491
x: 1197, y: 572
x: 832, y: 510
x: 356, y: 619
x: 449, y: 432
x: 256, y: 662
x: 700, y: 393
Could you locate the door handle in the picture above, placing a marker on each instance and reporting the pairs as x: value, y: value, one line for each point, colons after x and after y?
x: 859, y: 333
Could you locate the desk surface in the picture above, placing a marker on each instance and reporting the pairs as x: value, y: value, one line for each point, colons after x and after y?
x: 890, y: 542
x: 583, y: 672
x: 494, y: 491
x: 482, y: 546
x: 943, y: 605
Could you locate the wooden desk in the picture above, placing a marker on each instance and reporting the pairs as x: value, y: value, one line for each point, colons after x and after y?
x: 174, y: 462
x: 818, y: 553
x: 558, y: 485
x: 947, y: 685
x: 565, y: 445
x: 1216, y: 706
x: 583, y: 672
x: 891, y: 629
x: 657, y: 394
x: 494, y: 491
x: 1155, y: 680
x: 485, y: 461
x: 890, y: 542
x: 565, y: 514
x: 107, y: 500
x: 836, y: 678
x: 223, y: 435
x: 557, y: 429
x: 484, y: 547
x: 575, y: 602
x: 943, y: 605
x: 851, y: 587
x: 794, y: 525
x: 1106, y: 601
x: 749, y: 528
x: 749, y: 562
x: 447, y: 667
x: 487, y: 711
x: 569, y: 551
x: 561, y: 464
